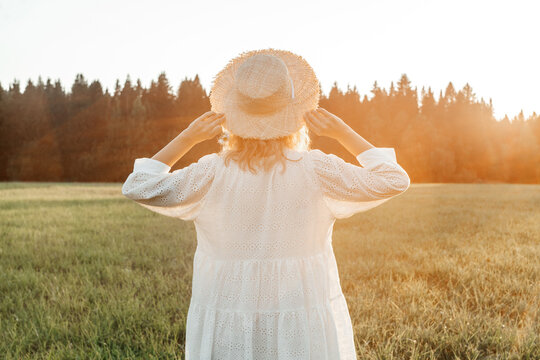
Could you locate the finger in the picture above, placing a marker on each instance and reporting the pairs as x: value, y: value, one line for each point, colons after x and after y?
x: 312, y: 125
x: 311, y: 114
x: 321, y: 110
x: 314, y: 119
x: 216, y: 116
x: 319, y: 117
x: 207, y: 114
x: 326, y: 112
x: 308, y: 117
x: 217, y: 120
x: 203, y: 118
x: 217, y: 130
x: 213, y: 123
x: 314, y: 129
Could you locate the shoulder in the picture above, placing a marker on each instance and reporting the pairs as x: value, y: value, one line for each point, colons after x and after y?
x: 205, y: 162
x: 317, y: 153
x: 319, y: 156
x: 319, y: 161
x: 209, y: 161
x: 314, y: 154
x: 208, y: 158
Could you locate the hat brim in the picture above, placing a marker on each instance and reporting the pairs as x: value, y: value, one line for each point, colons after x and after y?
x: 284, y: 121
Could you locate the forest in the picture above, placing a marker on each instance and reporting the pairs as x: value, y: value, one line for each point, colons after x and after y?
x: 88, y: 134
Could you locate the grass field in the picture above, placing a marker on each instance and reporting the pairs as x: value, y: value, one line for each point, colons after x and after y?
x: 441, y: 272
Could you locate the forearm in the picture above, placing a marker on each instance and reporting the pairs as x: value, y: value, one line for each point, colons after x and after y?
x: 353, y: 142
x: 174, y: 150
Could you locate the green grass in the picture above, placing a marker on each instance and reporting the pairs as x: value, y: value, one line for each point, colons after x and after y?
x: 441, y: 272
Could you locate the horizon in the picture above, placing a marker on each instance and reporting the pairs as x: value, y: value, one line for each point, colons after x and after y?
x: 174, y: 90
x: 433, y: 43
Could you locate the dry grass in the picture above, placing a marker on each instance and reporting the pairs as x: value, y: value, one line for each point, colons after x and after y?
x: 442, y: 272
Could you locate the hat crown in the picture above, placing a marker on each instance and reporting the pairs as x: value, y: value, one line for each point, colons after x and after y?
x: 265, y: 93
x: 263, y: 76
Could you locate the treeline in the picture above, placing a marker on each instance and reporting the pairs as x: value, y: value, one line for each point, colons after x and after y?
x: 89, y: 134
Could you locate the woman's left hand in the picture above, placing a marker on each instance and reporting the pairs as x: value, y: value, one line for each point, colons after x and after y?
x: 205, y: 127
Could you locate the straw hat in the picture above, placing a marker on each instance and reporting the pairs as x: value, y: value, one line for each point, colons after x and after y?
x: 265, y: 93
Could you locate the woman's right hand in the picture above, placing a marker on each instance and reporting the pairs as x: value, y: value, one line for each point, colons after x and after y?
x: 205, y: 127
x: 324, y: 123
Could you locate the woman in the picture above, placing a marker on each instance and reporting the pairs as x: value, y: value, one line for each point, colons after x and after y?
x: 265, y: 280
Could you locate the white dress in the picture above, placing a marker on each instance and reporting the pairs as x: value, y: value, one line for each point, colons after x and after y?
x: 265, y: 281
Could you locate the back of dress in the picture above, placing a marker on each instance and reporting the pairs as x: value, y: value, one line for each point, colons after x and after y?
x: 265, y: 280
x: 270, y: 215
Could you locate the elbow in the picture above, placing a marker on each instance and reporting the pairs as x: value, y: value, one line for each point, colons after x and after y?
x: 128, y: 191
x: 390, y: 179
x: 125, y: 190
x: 400, y: 182
x: 135, y: 187
x: 405, y: 182
x: 396, y: 184
x: 140, y: 193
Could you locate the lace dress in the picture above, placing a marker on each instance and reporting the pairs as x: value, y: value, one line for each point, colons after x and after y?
x: 265, y: 280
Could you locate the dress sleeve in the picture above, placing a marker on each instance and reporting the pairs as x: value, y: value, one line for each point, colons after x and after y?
x: 179, y: 194
x: 349, y: 189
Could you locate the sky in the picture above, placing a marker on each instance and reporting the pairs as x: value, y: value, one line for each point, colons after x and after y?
x: 491, y: 45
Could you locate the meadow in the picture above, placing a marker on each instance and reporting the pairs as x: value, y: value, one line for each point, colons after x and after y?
x: 443, y: 271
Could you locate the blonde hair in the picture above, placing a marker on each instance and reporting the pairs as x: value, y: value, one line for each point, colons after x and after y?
x: 262, y: 152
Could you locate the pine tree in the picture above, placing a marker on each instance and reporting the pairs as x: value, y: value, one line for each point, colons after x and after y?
x: 191, y: 99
